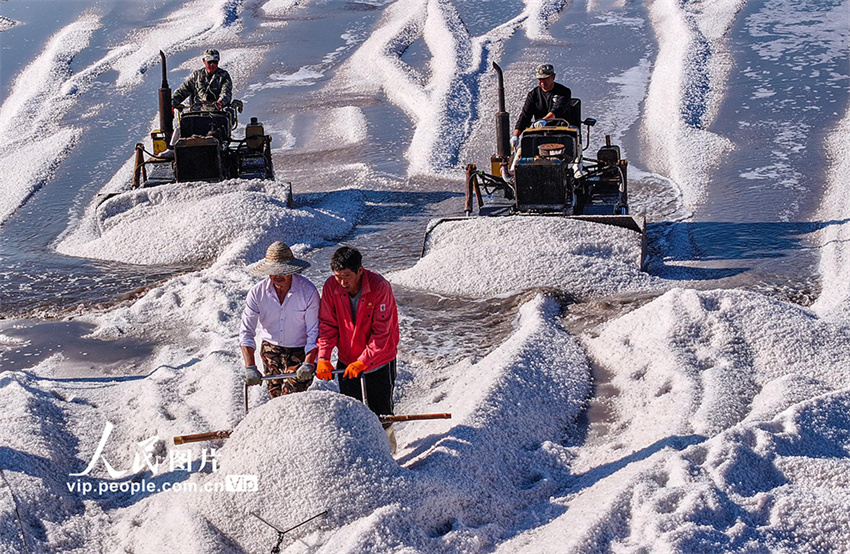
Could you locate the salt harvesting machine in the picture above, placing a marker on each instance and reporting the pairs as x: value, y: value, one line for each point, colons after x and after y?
x: 206, y: 149
x: 548, y: 174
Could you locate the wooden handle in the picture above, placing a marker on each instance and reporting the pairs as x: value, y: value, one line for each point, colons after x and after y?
x: 215, y: 435
x: 412, y: 417
x: 199, y: 437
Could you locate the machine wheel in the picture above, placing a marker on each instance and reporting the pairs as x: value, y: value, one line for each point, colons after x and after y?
x: 267, y: 160
x: 509, y: 192
x: 579, y: 200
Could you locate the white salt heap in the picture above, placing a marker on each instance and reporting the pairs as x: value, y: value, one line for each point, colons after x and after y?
x: 321, y: 451
x: 482, y: 257
x: 196, y: 222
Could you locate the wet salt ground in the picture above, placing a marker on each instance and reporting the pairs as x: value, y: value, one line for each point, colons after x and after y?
x: 781, y: 103
x: 789, y: 83
x: 37, y: 285
x: 27, y: 343
x: 434, y: 327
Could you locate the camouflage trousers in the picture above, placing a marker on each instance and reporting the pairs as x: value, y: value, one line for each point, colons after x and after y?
x: 280, y: 359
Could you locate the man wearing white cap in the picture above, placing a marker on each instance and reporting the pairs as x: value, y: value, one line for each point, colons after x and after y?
x: 286, y: 307
x: 210, y: 84
x: 547, y: 101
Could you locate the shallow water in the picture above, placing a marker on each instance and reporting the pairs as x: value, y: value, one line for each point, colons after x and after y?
x: 26, y: 343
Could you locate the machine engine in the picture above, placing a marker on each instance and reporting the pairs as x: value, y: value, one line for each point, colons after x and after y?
x: 548, y: 172
x: 206, y: 149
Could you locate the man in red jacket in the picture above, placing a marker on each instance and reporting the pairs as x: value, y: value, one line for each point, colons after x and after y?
x: 358, y: 316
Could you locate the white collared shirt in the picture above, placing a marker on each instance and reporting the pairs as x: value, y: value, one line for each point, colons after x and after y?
x: 291, y: 324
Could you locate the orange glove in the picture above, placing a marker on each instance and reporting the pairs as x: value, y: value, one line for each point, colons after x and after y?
x: 324, y: 370
x: 354, y: 370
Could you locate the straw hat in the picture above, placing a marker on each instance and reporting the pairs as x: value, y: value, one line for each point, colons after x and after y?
x: 279, y: 260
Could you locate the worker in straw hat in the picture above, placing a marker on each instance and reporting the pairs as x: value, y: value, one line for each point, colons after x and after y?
x: 547, y: 101
x: 283, y: 311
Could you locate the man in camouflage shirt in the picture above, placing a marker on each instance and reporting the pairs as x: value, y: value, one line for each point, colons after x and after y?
x: 211, y: 84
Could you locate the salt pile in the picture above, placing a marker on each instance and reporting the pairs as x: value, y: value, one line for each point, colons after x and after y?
x: 728, y: 432
x: 464, y: 481
x: 196, y: 222
x: 483, y: 257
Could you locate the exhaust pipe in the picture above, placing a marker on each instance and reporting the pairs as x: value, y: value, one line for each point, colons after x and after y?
x: 503, y: 131
x: 166, y: 113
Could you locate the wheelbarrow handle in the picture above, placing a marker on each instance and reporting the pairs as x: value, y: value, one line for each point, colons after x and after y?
x: 293, y: 375
x: 334, y: 372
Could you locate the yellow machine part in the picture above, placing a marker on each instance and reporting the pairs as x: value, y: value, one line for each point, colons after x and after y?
x: 159, y: 142
x: 496, y: 165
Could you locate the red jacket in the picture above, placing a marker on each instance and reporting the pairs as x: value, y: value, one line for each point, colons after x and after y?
x: 373, y: 339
